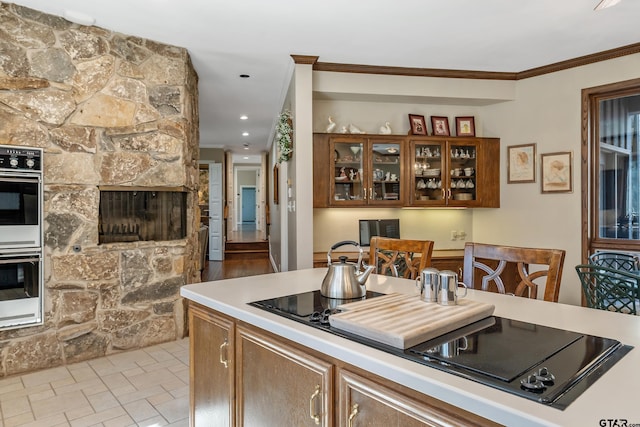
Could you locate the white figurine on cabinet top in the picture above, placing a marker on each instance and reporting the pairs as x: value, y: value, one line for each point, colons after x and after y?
x: 331, y: 126
x: 385, y: 129
x: 354, y: 129
x: 343, y: 129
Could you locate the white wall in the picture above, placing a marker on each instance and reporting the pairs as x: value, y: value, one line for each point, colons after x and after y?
x: 333, y: 225
x: 545, y: 110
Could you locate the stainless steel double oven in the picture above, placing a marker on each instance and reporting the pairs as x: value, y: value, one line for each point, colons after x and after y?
x: 21, y: 253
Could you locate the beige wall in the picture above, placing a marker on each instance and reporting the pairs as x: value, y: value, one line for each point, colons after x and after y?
x: 544, y: 110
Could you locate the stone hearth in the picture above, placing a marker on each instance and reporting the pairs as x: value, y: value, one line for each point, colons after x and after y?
x: 109, y: 110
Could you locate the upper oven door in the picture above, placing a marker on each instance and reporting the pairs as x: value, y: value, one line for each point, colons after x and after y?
x: 20, y: 210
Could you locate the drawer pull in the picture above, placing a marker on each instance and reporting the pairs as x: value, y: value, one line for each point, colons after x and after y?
x: 352, y: 415
x: 312, y: 408
x: 224, y: 360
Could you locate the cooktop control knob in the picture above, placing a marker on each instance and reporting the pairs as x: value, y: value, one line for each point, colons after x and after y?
x: 532, y: 383
x: 30, y: 163
x: 545, y: 376
x: 13, y: 162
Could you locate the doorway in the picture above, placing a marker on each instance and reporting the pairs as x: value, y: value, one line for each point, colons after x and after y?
x: 248, y: 205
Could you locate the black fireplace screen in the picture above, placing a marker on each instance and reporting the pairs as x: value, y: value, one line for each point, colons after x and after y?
x: 131, y: 216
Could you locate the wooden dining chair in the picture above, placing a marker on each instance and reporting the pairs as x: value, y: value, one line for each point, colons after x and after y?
x: 400, y: 257
x: 506, y: 269
x: 610, y: 289
x: 616, y: 260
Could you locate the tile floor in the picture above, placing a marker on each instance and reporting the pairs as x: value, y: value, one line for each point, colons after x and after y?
x: 147, y: 387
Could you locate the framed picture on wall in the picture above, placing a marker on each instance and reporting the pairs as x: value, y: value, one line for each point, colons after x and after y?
x: 440, y: 125
x: 418, y: 125
x: 276, y: 178
x: 556, y: 174
x: 521, y: 163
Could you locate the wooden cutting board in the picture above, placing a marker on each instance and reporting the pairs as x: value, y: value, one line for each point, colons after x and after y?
x: 403, y: 321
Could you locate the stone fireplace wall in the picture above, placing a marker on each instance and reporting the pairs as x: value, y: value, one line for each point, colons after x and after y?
x: 109, y: 110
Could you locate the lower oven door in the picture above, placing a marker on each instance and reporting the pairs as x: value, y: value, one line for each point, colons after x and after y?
x: 20, y: 289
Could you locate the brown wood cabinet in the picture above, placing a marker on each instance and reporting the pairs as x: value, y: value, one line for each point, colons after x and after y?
x: 364, y: 402
x: 360, y: 170
x: 397, y: 170
x: 211, y: 368
x: 279, y: 385
x: 241, y: 375
x: 457, y: 172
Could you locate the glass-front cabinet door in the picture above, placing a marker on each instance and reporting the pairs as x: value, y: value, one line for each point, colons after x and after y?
x: 463, y: 173
x: 428, y: 181
x: 366, y: 171
x: 386, y: 173
x: 347, y: 186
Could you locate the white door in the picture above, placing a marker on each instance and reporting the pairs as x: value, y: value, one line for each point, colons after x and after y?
x: 216, y: 243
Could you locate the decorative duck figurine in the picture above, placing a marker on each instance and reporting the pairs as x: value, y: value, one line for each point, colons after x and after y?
x: 354, y: 129
x: 386, y: 129
x: 331, y: 126
x: 343, y: 129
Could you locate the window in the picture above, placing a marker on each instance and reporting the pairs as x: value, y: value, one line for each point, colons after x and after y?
x: 611, y: 161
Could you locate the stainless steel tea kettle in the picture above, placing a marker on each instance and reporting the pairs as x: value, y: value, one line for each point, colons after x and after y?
x: 345, y: 280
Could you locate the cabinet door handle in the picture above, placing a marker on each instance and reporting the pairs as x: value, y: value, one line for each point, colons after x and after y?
x: 225, y: 360
x: 352, y: 415
x: 448, y: 193
x: 364, y: 190
x: 312, y: 408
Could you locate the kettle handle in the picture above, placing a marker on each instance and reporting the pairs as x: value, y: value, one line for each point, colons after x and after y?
x: 345, y: 243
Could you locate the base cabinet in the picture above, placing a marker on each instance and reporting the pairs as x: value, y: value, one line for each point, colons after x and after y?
x: 211, y: 372
x: 279, y: 385
x: 363, y: 402
x: 241, y: 375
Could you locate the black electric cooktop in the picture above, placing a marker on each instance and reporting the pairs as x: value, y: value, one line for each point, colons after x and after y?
x: 547, y: 365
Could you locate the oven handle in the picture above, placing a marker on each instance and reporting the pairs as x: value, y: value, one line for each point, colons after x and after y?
x: 15, y: 260
x: 13, y: 178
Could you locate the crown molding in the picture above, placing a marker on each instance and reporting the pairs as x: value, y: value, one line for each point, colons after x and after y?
x: 415, y: 72
x: 581, y: 60
x: 305, y: 59
x: 470, y: 74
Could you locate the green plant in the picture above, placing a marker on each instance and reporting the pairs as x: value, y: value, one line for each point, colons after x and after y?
x: 284, y: 135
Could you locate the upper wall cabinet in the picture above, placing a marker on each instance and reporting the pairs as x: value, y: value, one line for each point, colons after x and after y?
x: 456, y: 172
x: 359, y: 170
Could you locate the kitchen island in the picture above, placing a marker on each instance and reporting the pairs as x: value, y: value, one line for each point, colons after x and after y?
x: 245, y: 331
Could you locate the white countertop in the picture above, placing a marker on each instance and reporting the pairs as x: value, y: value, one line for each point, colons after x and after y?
x: 611, y: 396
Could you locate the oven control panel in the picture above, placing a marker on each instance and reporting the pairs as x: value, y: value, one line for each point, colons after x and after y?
x: 14, y: 158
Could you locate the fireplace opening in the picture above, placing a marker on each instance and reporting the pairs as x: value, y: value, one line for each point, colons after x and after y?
x: 142, y: 215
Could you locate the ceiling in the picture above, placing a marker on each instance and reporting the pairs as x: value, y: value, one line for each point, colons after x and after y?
x: 227, y: 38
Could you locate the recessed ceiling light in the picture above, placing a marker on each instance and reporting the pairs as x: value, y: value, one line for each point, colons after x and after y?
x: 245, y: 133
x: 606, y: 3
x: 246, y: 146
x: 244, y: 117
x: 246, y: 157
x: 244, y: 76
